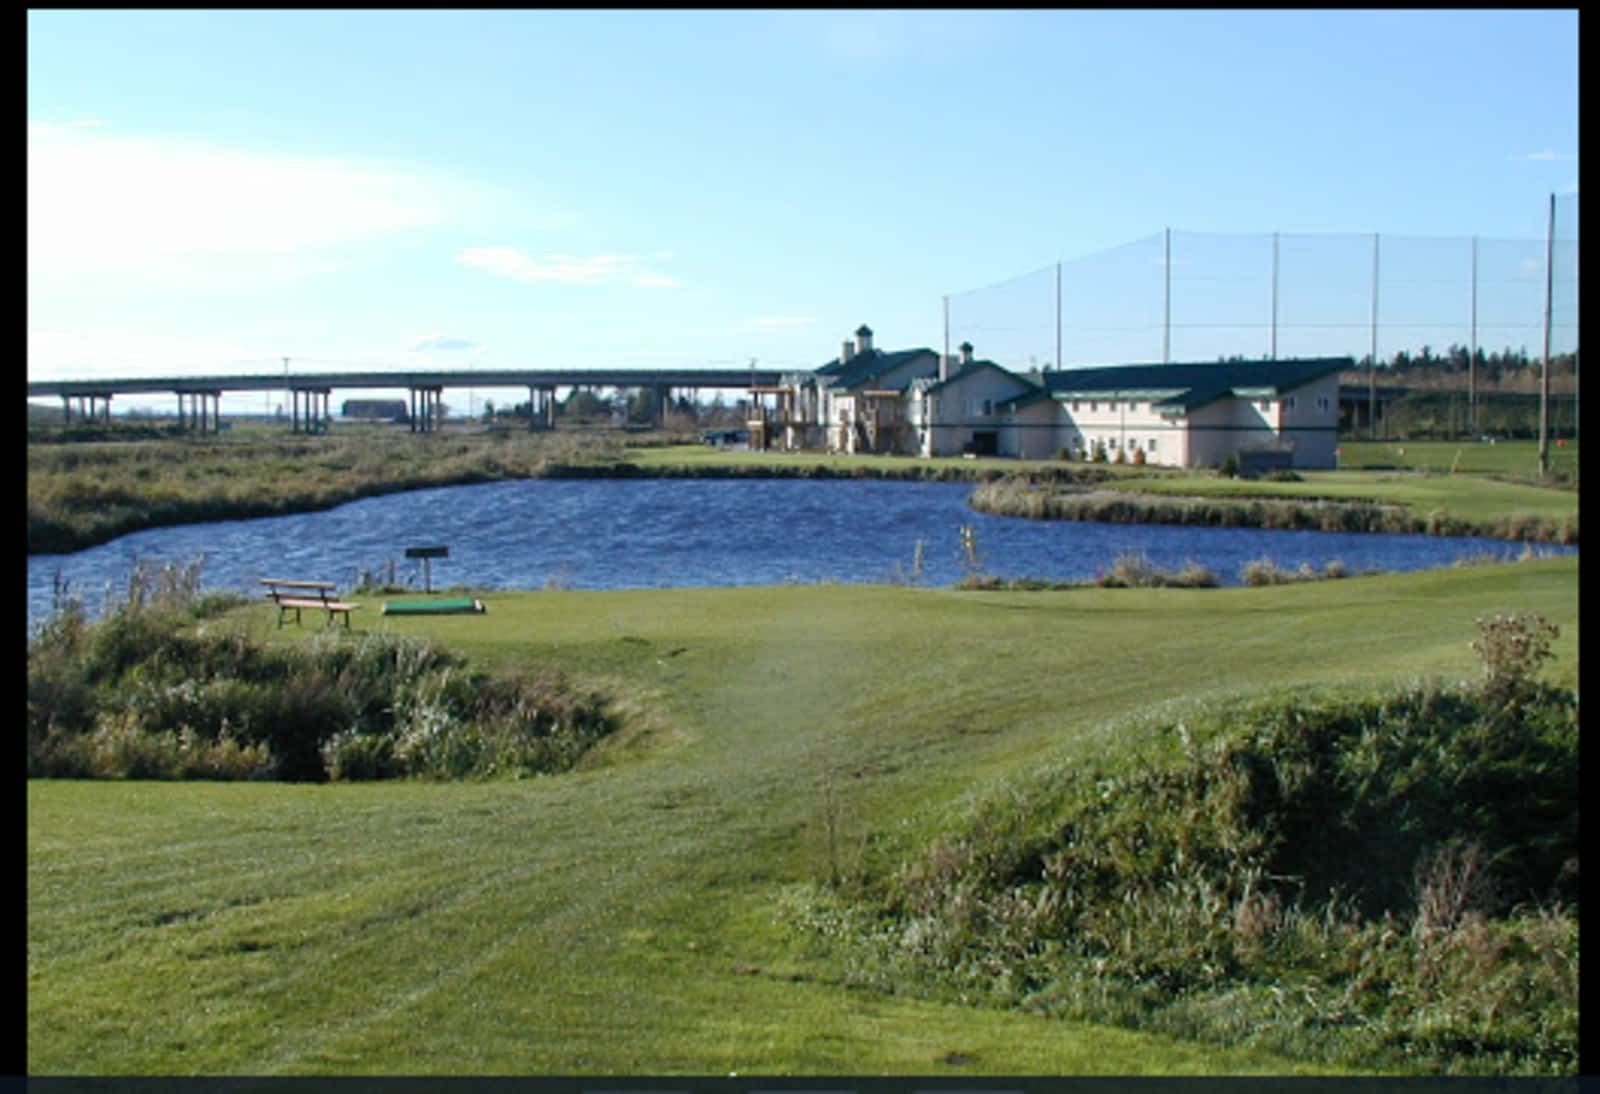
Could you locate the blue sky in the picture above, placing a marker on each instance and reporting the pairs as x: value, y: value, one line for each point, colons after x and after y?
x: 215, y: 191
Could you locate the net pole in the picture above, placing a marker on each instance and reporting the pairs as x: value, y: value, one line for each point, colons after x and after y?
x: 1544, y: 377
x: 1166, y: 301
x: 947, y: 328
x: 1273, y: 354
x: 1472, y: 350
x: 1058, y: 315
x: 1372, y: 367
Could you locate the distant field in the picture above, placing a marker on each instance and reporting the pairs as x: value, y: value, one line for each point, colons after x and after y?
x: 625, y: 919
x: 1518, y: 459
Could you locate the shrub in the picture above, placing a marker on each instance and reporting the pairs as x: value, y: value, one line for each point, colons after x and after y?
x: 1511, y: 648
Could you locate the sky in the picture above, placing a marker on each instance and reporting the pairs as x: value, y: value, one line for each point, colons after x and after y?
x: 211, y: 192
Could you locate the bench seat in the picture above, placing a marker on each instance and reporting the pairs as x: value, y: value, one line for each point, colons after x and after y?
x: 295, y: 596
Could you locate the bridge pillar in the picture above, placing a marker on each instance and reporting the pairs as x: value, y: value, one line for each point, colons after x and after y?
x: 425, y: 409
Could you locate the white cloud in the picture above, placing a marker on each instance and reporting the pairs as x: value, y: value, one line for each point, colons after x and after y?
x: 61, y: 354
x: 564, y: 269
x: 98, y: 200
x: 441, y: 342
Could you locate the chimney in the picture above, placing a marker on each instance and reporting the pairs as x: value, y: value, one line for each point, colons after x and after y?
x: 944, y: 366
x: 863, y: 339
x: 847, y: 352
x: 966, y: 353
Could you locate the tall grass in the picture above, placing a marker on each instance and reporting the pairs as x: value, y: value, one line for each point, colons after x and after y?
x: 1379, y: 881
x: 83, y: 494
x: 1019, y: 496
x: 143, y: 693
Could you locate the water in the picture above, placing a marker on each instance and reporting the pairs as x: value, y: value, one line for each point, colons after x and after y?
x: 652, y: 533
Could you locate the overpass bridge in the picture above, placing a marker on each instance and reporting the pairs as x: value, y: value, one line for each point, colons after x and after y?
x: 198, y: 394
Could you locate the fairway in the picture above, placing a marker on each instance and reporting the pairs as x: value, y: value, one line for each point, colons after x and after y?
x: 627, y: 918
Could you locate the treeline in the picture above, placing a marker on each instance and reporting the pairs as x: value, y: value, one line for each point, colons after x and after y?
x: 1510, y: 369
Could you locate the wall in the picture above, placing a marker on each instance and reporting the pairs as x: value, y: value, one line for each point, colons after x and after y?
x: 958, y: 412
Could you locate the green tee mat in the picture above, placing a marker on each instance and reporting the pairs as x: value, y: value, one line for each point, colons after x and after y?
x: 432, y: 607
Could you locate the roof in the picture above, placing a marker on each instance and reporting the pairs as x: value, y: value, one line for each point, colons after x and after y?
x: 971, y: 368
x: 862, y: 368
x: 1189, y: 385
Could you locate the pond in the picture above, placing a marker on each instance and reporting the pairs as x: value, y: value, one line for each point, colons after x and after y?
x: 649, y: 533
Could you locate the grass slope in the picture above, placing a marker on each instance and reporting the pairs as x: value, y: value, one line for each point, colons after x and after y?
x: 625, y: 918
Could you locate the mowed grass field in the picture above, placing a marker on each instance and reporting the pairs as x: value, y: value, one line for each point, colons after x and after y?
x: 628, y: 918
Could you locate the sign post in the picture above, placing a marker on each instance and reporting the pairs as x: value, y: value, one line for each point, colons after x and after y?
x: 427, y: 555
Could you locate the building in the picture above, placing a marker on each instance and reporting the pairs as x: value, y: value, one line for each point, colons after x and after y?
x: 1183, y: 415
x: 918, y: 402
x: 374, y: 410
x: 961, y: 411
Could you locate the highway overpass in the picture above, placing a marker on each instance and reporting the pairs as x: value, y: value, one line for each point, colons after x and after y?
x: 198, y: 397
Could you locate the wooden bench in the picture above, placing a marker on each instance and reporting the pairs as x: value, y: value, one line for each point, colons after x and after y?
x: 293, y: 596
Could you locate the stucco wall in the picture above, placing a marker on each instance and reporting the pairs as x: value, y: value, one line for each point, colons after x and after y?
x: 958, y: 412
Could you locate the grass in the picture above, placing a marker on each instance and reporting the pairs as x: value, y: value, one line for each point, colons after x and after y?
x: 82, y: 494
x: 627, y: 918
x: 1396, y: 501
x: 1507, y: 459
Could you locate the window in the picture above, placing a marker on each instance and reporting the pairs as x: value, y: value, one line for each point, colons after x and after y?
x: 1075, y: 407
x: 1322, y: 404
x: 1093, y: 406
x: 1288, y: 404
x: 988, y: 407
x: 1151, y: 444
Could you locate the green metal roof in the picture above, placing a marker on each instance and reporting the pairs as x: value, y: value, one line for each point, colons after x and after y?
x: 972, y: 368
x: 863, y: 368
x: 1193, y: 384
